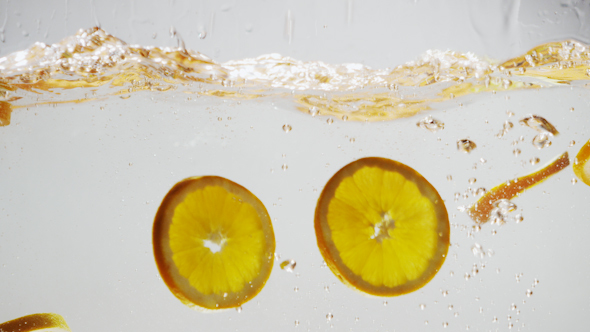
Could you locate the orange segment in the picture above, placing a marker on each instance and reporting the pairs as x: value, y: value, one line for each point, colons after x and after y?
x: 36, y: 322
x: 213, y: 243
x: 381, y: 227
x: 581, y: 165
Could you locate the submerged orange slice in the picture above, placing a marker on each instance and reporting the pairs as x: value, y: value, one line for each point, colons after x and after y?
x: 381, y: 227
x: 36, y: 322
x: 582, y: 163
x: 213, y: 243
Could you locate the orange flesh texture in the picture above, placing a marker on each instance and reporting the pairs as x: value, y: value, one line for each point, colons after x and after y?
x: 480, y: 212
x: 35, y: 322
x: 406, y: 258
x: 581, y: 165
x: 198, y: 277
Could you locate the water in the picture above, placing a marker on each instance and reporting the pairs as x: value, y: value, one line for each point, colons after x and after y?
x: 96, y: 131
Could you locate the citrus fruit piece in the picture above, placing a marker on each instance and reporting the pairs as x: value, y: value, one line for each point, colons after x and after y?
x: 481, y: 211
x: 381, y: 227
x: 581, y: 165
x: 36, y: 322
x: 213, y: 243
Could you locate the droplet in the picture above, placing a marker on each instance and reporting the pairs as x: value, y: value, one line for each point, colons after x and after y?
x: 480, y: 191
x: 314, y: 111
x: 287, y: 128
x: 329, y: 317
x: 430, y: 124
x: 534, y: 161
x: 539, y: 124
x: 542, y: 140
x: 285, y: 167
x: 422, y: 306
x: 465, y: 145
x: 288, y: 265
x: 529, y: 293
x: 472, y: 180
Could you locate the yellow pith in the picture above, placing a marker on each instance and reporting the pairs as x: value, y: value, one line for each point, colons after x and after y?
x: 383, y: 228
x: 212, y: 216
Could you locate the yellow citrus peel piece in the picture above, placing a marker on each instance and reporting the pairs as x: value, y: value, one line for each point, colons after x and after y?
x: 46, y: 322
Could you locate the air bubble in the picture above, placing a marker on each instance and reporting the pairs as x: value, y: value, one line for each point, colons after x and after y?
x: 288, y: 265
x: 330, y: 121
x: 572, y: 143
x: 430, y: 124
x: 286, y: 128
x: 329, y: 317
x: 465, y: 145
x: 449, y: 178
x: 472, y: 180
x: 534, y: 161
x: 542, y: 141
x: 314, y: 111
x: 516, y: 152
x: 422, y: 306
x: 529, y: 293
x: 478, y: 250
x: 285, y: 167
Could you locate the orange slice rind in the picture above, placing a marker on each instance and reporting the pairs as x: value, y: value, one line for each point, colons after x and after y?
x: 582, y: 165
x: 213, y: 243
x: 381, y: 227
x: 46, y: 322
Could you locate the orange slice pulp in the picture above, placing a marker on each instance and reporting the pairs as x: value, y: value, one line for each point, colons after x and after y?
x: 213, y: 243
x: 381, y: 227
x: 581, y: 165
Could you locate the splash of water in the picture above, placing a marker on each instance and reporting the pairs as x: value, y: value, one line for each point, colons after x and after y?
x: 92, y: 59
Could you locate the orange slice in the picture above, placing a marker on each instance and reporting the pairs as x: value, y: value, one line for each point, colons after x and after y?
x: 36, y: 322
x: 581, y: 165
x: 213, y: 243
x: 381, y: 227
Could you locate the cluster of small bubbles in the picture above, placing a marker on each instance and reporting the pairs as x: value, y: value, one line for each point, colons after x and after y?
x: 502, y: 208
x: 285, y: 167
x: 288, y: 265
x: 478, y: 250
x: 449, y: 178
x: 430, y: 124
x: 534, y: 161
x: 529, y: 293
x: 329, y: 316
x: 330, y: 121
x: 574, y: 180
x: 472, y: 180
x: 542, y: 141
x: 465, y: 145
x: 286, y: 128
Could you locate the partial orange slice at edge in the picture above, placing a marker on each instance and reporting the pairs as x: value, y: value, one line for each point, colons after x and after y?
x: 46, y: 322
